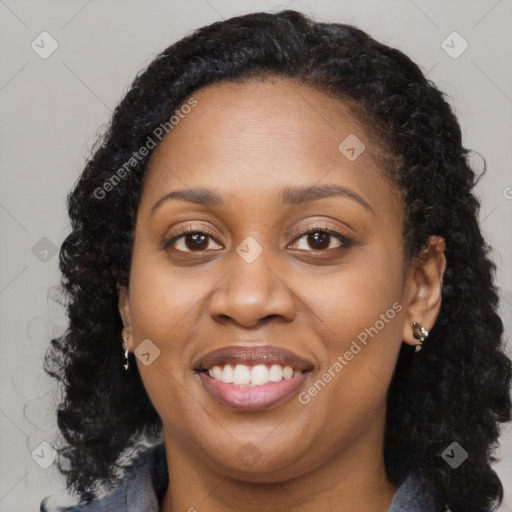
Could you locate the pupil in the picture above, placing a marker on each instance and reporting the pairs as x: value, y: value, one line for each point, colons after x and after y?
x: 196, y: 243
x: 323, y: 238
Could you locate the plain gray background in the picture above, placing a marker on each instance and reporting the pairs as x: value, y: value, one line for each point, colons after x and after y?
x: 53, y: 108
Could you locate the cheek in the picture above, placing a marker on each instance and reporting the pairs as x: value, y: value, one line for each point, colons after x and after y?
x: 166, y: 308
x: 165, y: 301
x: 359, y: 317
x: 355, y: 297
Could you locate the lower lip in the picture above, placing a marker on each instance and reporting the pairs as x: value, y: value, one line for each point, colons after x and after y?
x: 251, y: 398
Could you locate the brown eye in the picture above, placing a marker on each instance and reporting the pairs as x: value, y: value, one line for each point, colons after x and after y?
x: 322, y: 240
x: 195, y: 242
x: 190, y: 241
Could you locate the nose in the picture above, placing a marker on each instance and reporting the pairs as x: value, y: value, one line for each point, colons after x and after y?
x: 250, y: 293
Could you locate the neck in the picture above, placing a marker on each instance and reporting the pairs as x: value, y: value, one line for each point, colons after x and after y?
x: 353, y: 480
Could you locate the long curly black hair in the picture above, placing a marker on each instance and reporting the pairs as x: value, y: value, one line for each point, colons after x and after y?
x: 456, y: 389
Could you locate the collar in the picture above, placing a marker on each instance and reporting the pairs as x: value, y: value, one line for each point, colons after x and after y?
x: 416, y: 494
x: 145, y: 486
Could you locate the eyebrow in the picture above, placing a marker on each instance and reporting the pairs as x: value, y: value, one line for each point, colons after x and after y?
x: 289, y: 195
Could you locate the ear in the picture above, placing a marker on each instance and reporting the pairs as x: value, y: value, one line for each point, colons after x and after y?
x: 125, y: 311
x: 424, y: 287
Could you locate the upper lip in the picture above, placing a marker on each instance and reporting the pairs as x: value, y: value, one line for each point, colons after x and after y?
x: 253, y: 355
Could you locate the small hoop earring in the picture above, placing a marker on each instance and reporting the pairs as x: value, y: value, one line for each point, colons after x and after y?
x: 420, y: 333
x: 126, y: 353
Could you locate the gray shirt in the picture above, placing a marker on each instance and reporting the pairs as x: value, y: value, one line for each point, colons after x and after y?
x: 145, y: 485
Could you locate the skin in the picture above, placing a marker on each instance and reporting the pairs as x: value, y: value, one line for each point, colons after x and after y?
x: 247, y: 141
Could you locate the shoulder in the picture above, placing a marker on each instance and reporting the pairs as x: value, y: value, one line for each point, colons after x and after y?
x: 416, y: 494
x: 140, y: 490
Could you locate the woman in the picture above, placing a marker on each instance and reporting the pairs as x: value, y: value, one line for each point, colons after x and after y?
x: 279, y: 294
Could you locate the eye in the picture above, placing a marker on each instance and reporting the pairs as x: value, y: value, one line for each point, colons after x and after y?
x: 191, y: 240
x: 322, y: 239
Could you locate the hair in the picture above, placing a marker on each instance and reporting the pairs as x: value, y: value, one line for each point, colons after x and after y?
x: 455, y: 390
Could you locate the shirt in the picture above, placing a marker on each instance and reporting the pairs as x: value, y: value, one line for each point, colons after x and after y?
x: 145, y: 485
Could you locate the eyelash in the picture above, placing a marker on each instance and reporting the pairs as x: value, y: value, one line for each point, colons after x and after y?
x: 344, y: 240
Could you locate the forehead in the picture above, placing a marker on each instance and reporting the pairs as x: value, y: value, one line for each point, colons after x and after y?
x: 257, y: 137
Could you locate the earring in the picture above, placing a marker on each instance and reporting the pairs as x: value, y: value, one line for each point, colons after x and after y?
x: 420, y: 333
x: 126, y: 353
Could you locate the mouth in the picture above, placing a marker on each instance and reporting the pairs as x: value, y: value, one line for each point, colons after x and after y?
x: 252, y: 378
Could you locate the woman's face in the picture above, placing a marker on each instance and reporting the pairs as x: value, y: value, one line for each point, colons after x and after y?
x: 250, y: 279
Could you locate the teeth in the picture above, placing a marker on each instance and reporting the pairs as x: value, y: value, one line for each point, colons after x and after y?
x: 259, y: 375
x: 227, y: 374
x: 276, y: 373
x: 217, y: 373
x: 241, y: 375
x: 256, y: 375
